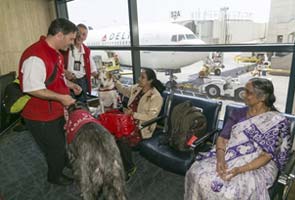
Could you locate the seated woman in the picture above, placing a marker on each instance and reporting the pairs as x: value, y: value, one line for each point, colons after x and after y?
x: 145, y: 103
x: 251, y: 149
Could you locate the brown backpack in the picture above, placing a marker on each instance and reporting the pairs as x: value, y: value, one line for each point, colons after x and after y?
x: 186, y: 121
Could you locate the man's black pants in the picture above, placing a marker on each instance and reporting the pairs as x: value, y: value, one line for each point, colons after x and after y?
x: 50, y: 137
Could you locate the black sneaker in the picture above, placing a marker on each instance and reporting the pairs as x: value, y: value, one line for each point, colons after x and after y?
x: 20, y: 128
x: 130, y: 173
x: 62, y: 180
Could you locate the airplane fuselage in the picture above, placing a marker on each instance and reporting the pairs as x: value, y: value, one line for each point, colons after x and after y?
x: 153, y: 34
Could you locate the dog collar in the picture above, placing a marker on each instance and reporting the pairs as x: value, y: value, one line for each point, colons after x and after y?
x: 102, y: 90
x: 76, y: 120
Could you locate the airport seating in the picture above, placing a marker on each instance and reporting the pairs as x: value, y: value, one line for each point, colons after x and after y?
x: 286, y: 178
x: 179, y: 162
x: 162, y: 154
x: 6, y: 119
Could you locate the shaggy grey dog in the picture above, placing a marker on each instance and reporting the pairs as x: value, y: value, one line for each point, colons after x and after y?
x: 96, y: 162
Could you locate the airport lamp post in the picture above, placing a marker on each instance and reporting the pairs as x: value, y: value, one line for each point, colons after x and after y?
x: 224, y: 23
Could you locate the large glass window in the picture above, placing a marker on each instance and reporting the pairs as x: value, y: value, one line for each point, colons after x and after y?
x: 115, y: 62
x: 219, y: 75
x: 220, y: 21
x: 222, y: 76
x: 107, y: 21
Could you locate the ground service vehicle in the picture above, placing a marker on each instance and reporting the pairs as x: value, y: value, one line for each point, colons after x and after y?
x: 217, y: 87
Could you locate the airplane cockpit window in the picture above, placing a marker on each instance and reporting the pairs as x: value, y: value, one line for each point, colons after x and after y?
x: 181, y: 37
x: 174, y: 38
x: 190, y: 36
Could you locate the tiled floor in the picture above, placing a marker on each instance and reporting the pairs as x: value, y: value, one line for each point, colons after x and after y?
x: 23, y: 175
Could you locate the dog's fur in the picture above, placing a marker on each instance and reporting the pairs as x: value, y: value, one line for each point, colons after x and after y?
x: 96, y: 162
x: 108, y: 96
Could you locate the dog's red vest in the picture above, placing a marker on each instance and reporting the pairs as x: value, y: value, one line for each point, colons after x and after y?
x: 75, y: 121
x: 86, y: 58
x: 36, y: 108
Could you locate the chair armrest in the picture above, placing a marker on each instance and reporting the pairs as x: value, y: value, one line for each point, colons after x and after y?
x: 150, y: 122
x: 289, y: 170
x: 93, y: 98
x: 286, y: 178
x: 204, y: 138
x: 93, y: 101
x: 292, y: 173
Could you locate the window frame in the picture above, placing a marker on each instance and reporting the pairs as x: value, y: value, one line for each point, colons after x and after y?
x: 135, y: 49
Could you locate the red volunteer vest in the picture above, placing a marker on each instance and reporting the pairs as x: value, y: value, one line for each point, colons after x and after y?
x: 36, y: 108
x: 87, y: 68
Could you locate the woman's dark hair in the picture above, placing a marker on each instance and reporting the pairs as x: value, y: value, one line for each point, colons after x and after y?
x: 62, y: 25
x: 264, y: 88
x: 151, y: 75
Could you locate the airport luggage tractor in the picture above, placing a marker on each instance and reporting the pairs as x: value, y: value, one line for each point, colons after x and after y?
x: 223, y: 87
x: 191, y: 88
x: 213, y: 87
x: 211, y: 66
x: 255, y: 58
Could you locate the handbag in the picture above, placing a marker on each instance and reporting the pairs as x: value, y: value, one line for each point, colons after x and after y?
x: 117, y: 123
x: 121, y: 125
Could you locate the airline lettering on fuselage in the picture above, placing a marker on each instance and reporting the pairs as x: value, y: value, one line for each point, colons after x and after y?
x: 104, y: 38
x: 116, y: 36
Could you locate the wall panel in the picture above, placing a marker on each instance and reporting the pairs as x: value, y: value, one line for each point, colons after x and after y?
x: 21, y: 24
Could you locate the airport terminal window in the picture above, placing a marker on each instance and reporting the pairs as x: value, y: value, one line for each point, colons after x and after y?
x: 112, y: 62
x: 280, y: 38
x: 215, y: 75
x: 109, y: 20
x: 218, y: 23
x: 221, y: 21
x: 291, y: 37
x: 222, y: 76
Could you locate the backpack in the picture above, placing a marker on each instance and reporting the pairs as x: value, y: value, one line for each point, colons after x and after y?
x: 186, y: 121
x: 14, y: 99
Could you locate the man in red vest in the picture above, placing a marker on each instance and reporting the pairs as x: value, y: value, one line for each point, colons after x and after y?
x: 79, y: 63
x: 44, y: 112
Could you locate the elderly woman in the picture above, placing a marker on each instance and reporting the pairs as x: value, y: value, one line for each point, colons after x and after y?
x: 145, y: 103
x: 251, y: 149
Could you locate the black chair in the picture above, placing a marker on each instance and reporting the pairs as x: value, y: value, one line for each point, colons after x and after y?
x: 163, y: 155
x: 285, y: 179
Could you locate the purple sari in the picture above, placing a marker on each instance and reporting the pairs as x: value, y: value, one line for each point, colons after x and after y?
x: 267, y: 132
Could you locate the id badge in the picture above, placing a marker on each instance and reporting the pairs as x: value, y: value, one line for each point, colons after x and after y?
x: 77, y: 65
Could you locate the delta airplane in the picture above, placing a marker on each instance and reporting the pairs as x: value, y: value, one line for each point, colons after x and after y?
x: 150, y: 34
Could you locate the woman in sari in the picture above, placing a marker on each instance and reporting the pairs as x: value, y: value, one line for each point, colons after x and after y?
x: 251, y: 149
